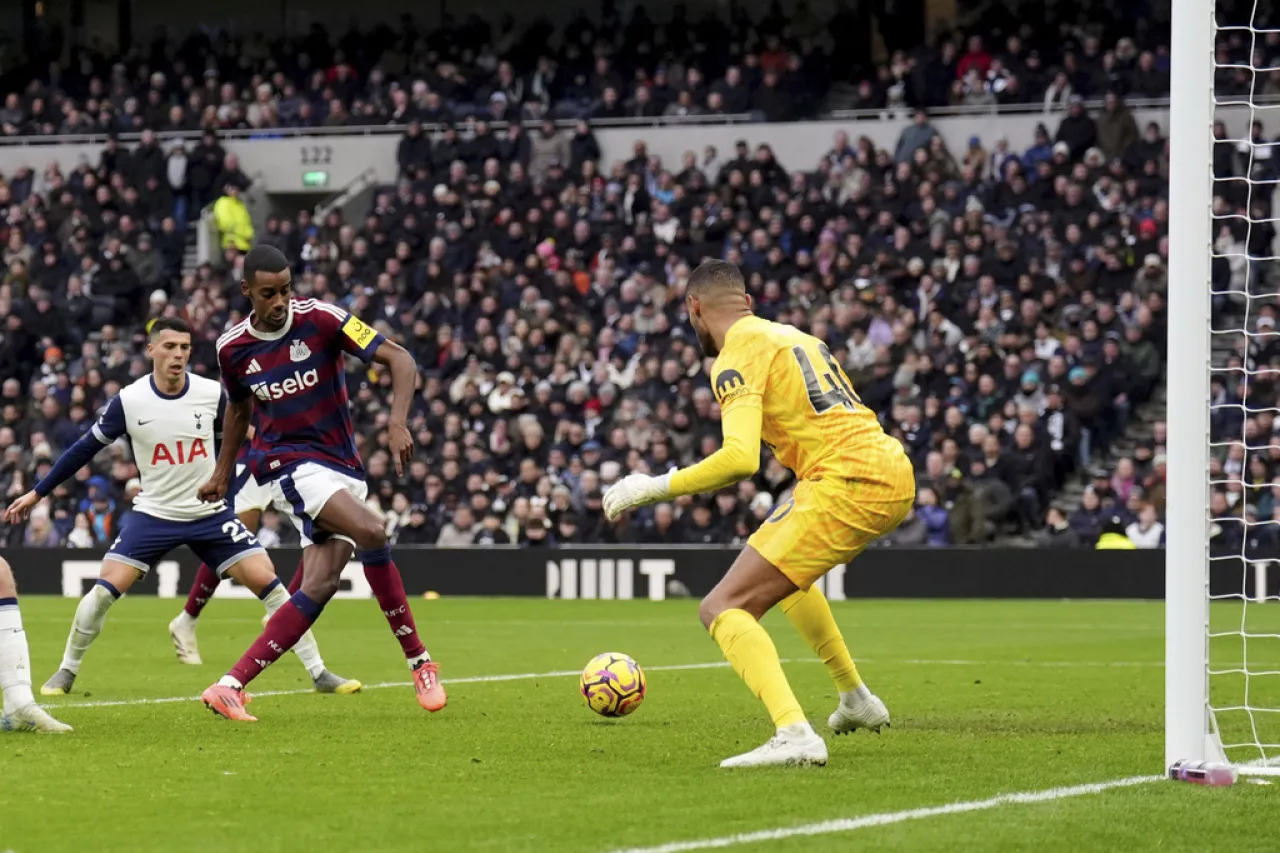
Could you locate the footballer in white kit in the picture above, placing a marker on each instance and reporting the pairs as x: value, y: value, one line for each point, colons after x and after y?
x: 172, y: 420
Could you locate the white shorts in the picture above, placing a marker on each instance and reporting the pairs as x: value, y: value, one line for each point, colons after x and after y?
x: 306, y: 489
x: 250, y: 494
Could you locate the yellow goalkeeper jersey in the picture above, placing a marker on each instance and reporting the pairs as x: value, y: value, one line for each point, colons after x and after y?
x: 813, y: 420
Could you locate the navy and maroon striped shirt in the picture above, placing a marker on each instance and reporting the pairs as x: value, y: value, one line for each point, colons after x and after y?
x: 297, y: 379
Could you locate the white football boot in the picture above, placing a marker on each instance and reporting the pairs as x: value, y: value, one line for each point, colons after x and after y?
x: 182, y: 631
x: 797, y: 745
x: 855, y: 712
x: 32, y: 718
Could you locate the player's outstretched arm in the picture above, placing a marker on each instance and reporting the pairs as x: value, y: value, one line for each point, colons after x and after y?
x: 235, y: 427
x: 737, y: 459
x: 404, y: 382
x: 72, y: 460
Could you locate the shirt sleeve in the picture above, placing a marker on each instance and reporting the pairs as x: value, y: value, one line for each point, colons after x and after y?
x: 86, y: 447
x: 236, y: 389
x: 221, y: 417
x: 738, y: 382
x: 111, y: 423
x: 351, y: 334
x: 737, y: 459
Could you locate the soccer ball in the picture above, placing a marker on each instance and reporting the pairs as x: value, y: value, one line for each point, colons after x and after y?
x: 613, y: 684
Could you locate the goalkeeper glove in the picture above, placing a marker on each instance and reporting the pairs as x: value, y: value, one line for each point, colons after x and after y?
x: 636, y: 490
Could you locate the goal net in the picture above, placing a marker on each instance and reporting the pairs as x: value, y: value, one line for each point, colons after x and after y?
x: 1223, y: 513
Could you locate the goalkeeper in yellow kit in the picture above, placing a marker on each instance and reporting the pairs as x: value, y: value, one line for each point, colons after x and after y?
x: 776, y: 383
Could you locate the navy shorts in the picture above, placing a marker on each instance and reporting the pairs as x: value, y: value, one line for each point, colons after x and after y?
x: 220, y: 541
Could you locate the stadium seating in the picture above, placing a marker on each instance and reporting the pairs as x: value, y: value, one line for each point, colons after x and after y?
x: 1000, y: 306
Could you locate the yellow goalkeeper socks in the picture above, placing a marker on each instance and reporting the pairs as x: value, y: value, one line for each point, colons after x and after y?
x: 747, y: 647
x: 811, y: 615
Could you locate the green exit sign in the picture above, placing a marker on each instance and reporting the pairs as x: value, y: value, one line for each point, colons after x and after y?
x: 315, y: 179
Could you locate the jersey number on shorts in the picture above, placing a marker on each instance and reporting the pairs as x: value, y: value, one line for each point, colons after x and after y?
x: 841, y: 393
x: 238, y: 532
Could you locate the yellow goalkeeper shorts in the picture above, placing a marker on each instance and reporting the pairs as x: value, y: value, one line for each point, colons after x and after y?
x: 829, y: 522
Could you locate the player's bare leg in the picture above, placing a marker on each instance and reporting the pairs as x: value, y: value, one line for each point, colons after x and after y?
x: 20, y: 712
x: 859, y: 708
x: 731, y: 613
x: 344, y: 515
x: 115, y: 580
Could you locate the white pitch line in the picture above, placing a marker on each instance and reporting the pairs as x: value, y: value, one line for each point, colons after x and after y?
x: 472, y: 679
x: 828, y: 827
x: 529, y: 676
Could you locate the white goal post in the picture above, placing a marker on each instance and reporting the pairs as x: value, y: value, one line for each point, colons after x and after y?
x: 1222, y: 650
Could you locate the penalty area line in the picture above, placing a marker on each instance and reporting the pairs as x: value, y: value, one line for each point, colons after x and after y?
x: 828, y: 827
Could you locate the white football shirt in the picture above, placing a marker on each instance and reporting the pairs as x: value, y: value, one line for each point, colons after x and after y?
x: 173, y: 443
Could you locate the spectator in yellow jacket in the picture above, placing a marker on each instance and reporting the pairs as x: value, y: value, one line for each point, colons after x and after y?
x: 1113, y: 538
x: 232, y: 218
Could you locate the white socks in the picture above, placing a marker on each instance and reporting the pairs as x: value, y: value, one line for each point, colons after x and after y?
x: 15, y: 660
x: 853, y: 697
x: 90, y: 616
x: 797, y: 731
x: 307, y: 649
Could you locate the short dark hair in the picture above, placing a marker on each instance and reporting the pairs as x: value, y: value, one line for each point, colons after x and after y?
x: 264, y: 258
x: 168, y: 324
x: 715, y: 275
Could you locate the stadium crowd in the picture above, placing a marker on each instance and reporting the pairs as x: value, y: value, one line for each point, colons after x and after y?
x: 1001, y: 307
x: 778, y: 67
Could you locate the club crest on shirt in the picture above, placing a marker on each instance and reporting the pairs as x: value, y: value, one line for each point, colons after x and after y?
x: 729, y: 385
x: 299, y: 351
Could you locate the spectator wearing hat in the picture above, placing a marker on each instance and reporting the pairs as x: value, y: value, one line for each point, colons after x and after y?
x: 1088, y: 519
x: 1081, y: 400
x: 504, y: 393
x: 101, y: 510
x: 1112, y: 537
x: 490, y: 531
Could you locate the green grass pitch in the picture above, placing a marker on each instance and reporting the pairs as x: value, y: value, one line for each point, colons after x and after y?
x: 987, y: 698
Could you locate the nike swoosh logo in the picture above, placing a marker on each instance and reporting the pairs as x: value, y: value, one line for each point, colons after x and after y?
x: 144, y: 423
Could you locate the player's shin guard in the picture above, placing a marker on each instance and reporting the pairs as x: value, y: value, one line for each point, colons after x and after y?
x: 91, y: 614
x: 388, y: 588
x: 207, y: 581
x: 307, y: 649
x: 810, y: 615
x: 15, y: 658
x: 285, y: 627
x: 751, y: 653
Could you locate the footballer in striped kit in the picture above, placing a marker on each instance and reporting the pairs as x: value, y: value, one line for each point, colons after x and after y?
x: 283, y: 367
